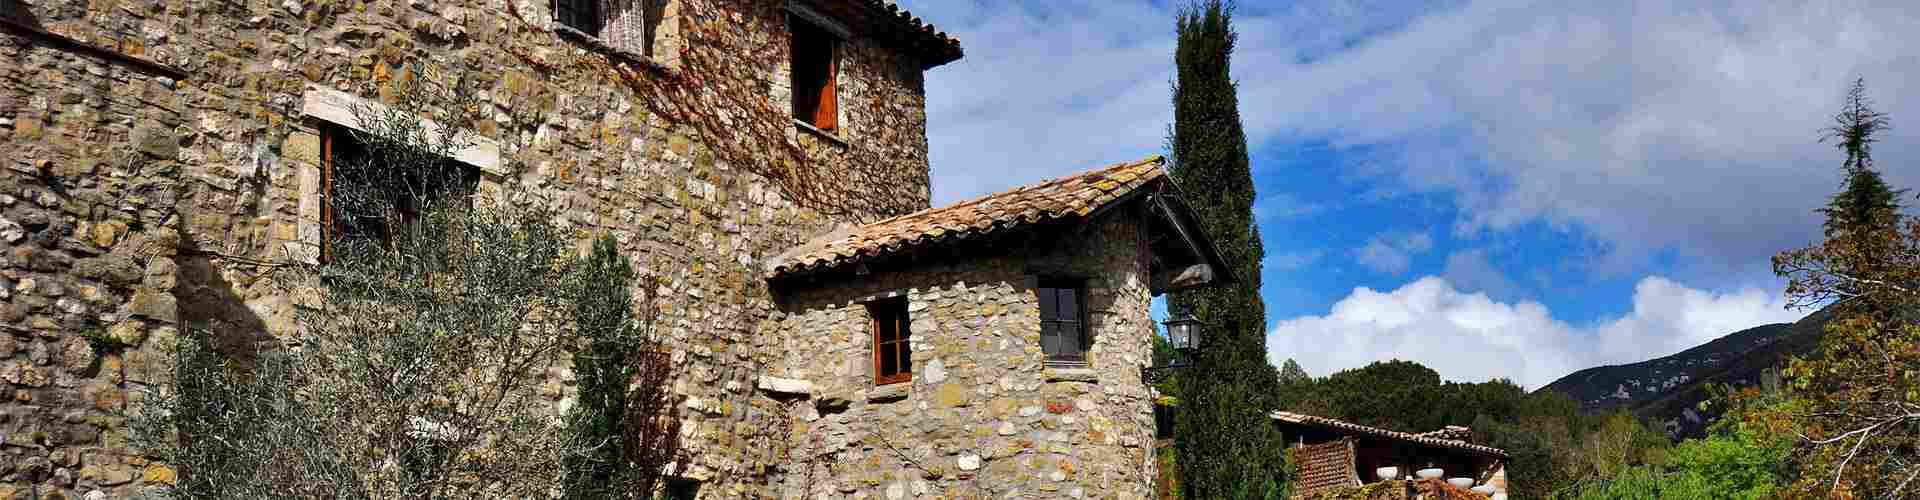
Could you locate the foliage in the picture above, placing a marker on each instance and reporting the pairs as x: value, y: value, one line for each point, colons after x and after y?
x: 1168, y: 464
x: 626, y: 416
x: 1228, y: 447
x: 420, y: 349
x: 235, y: 431
x: 1862, y: 387
x: 1291, y: 372
x: 1746, y: 465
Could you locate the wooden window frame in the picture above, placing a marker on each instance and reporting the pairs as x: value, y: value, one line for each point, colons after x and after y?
x: 824, y: 115
x: 327, y: 222
x: 881, y: 312
x: 1084, y: 328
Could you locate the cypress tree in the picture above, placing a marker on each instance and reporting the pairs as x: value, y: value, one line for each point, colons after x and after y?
x: 1226, y: 444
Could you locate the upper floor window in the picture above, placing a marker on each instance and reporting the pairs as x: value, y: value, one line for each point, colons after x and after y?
x: 815, y: 71
x: 1063, y: 325
x: 892, y: 341
x: 643, y: 27
x: 366, y: 197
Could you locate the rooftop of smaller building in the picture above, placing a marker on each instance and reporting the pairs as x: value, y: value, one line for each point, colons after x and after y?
x: 1076, y: 195
x: 1452, y: 437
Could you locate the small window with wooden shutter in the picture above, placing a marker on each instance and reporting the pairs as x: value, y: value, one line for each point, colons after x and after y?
x: 815, y: 71
x: 1063, y: 325
x: 892, y: 341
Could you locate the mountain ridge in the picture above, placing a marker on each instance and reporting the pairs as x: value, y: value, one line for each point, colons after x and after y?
x: 1667, y: 390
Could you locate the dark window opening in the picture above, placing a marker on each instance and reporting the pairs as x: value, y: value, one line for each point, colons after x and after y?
x: 892, y: 341
x: 680, y: 488
x: 1063, y: 325
x: 814, y: 74
x: 372, y: 191
x: 583, y: 15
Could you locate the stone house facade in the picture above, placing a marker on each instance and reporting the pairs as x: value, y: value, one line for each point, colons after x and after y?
x: 160, y: 158
x: 1025, y: 318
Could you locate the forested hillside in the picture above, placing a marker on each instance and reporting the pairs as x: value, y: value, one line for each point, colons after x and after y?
x: 1668, y: 390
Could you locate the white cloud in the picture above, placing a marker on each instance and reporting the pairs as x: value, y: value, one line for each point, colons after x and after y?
x: 1392, y: 252
x: 1468, y: 336
x: 1648, y: 124
x: 1289, y: 261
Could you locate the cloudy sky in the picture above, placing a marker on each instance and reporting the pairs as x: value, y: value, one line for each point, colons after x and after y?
x: 1494, y: 189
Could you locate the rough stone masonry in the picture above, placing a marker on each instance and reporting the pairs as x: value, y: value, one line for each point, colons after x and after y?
x: 159, y: 157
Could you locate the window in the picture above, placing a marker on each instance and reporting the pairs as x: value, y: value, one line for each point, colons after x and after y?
x: 634, y: 26
x: 1063, y: 326
x: 680, y: 488
x: 814, y: 75
x: 892, y: 341
x: 365, y: 197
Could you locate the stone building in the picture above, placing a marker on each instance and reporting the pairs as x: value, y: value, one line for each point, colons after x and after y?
x: 160, y: 158
x: 1337, y: 459
x: 991, y: 348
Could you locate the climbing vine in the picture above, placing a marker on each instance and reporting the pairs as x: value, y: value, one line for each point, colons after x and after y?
x: 723, y: 99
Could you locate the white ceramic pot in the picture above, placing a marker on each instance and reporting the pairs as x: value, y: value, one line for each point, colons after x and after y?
x: 1483, y: 489
x: 1461, y: 482
x: 1430, y: 473
x: 1499, y: 496
x: 1387, y: 473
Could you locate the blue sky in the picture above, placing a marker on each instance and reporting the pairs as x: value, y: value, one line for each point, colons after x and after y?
x: 1495, y: 189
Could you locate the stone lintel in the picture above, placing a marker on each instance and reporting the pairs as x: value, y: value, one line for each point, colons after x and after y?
x: 785, y: 385
x: 337, y: 107
x: 1063, y: 374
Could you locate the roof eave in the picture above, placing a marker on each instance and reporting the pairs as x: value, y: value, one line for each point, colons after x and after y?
x: 1175, y: 208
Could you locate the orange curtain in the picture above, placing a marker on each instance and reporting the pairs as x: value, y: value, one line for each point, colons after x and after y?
x: 826, y: 116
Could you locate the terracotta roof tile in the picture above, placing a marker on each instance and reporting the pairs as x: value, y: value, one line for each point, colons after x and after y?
x: 1426, y: 438
x: 937, y: 46
x: 1072, y: 196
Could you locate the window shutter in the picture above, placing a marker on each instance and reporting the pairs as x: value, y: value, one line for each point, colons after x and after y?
x: 827, y: 115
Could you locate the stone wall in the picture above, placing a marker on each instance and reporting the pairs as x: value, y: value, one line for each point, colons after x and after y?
x: 89, y: 226
x: 983, y: 417
x: 133, y: 204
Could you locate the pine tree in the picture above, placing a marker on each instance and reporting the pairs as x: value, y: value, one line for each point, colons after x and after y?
x: 1227, y: 445
x: 1865, y: 203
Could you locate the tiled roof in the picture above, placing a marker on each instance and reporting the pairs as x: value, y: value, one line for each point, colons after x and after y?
x: 1324, y: 466
x: 1425, y: 438
x: 1073, y: 196
x: 936, y: 46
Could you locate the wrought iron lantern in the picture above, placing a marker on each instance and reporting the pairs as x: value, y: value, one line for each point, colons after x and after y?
x: 1183, y: 332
